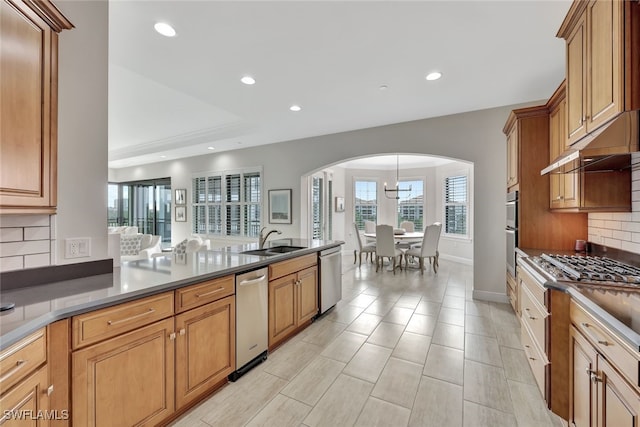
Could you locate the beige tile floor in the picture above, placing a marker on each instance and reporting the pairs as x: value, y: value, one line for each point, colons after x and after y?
x: 398, y: 350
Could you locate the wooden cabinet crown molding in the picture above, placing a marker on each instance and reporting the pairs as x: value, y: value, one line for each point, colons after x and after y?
x: 50, y: 13
x: 571, y: 19
x: 558, y: 96
x: 523, y: 113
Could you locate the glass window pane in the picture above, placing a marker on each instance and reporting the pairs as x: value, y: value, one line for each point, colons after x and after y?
x: 214, y: 189
x: 252, y: 220
x: 233, y: 220
x: 214, y: 219
x: 365, y: 203
x: 199, y: 219
x: 199, y: 190
x: 252, y: 187
x: 411, y: 203
x: 233, y: 188
x: 455, y: 195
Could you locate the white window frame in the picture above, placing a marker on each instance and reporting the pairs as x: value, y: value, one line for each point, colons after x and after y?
x: 424, y: 199
x: 377, y: 204
x: 223, y: 204
x: 467, y: 204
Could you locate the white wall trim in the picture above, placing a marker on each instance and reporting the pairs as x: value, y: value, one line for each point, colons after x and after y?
x: 458, y: 259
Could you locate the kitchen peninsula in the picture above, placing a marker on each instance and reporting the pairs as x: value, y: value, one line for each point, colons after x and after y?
x: 167, y: 324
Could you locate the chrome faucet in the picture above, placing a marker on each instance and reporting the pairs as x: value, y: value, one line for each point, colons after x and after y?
x: 263, y: 238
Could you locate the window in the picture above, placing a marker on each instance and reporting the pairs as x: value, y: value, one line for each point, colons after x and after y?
x: 455, y: 205
x: 227, y: 204
x: 366, y: 202
x: 411, y: 203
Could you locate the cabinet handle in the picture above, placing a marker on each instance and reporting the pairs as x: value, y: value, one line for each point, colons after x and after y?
x: 526, y: 353
x: 594, y: 376
x: 183, y: 331
x: 172, y: 336
x: 593, y: 336
x: 19, y: 365
x: 137, y: 316
x: 215, y: 291
x: 49, y: 390
x: 528, y: 315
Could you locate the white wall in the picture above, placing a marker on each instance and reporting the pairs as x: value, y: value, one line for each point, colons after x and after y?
x: 82, y: 127
x: 38, y: 240
x: 620, y: 230
x: 474, y: 137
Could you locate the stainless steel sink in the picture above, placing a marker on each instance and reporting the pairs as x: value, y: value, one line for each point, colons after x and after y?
x: 276, y: 250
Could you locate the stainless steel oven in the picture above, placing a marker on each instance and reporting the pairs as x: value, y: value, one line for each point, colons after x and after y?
x: 511, y: 230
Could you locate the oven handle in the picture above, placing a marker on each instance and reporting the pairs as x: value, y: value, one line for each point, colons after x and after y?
x: 510, y: 230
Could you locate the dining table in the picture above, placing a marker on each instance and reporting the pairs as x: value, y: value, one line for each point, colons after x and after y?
x: 408, y: 236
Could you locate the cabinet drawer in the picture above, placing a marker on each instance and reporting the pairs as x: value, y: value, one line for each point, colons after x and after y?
x: 534, y: 316
x: 537, y: 291
x: 605, y: 342
x: 22, y: 358
x: 203, y: 293
x: 106, y: 323
x: 293, y: 265
x: 536, y: 359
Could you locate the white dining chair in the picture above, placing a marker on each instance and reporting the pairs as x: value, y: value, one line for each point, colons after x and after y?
x: 409, y: 227
x: 386, y: 247
x: 428, y: 249
x: 369, y: 249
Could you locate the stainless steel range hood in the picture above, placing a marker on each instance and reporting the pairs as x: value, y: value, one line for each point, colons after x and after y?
x: 607, y: 148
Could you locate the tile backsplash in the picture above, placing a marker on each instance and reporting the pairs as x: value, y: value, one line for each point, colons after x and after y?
x: 26, y: 241
x: 620, y: 230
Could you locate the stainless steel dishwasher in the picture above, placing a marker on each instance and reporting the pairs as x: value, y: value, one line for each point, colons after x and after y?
x: 252, y: 320
x: 330, y: 278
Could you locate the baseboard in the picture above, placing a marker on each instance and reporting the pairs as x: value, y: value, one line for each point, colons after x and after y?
x: 490, y: 296
x: 457, y: 259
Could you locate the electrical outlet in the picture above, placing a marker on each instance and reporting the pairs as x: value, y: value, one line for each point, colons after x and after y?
x: 77, y: 247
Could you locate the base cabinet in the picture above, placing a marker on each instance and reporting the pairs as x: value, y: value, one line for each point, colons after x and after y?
x: 604, y: 387
x: 293, y: 301
x: 27, y: 404
x: 205, y: 348
x: 127, y: 380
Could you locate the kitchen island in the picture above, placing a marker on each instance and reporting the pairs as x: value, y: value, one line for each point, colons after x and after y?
x: 163, y: 328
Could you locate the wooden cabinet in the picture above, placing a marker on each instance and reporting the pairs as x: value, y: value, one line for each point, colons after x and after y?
x: 538, y: 226
x: 205, y: 348
x: 28, y: 105
x: 126, y: 380
x: 24, y: 383
x: 293, y: 296
x: 512, y: 293
x: 604, y: 388
x: 512, y: 158
x: 545, y: 338
x: 602, y: 57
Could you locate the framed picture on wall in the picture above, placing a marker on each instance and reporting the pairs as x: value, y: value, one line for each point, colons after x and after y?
x: 181, y: 196
x: 181, y: 214
x: 280, y: 206
x: 339, y: 204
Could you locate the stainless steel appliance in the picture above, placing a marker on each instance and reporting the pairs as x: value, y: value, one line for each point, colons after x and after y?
x: 330, y: 278
x: 589, y: 270
x: 252, y: 320
x: 512, y: 231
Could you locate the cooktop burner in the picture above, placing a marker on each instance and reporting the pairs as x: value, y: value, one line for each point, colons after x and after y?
x: 591, y: 268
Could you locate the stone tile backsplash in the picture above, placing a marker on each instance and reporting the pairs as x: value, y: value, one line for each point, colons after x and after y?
x: 620, y: 230
x: 26, y: 241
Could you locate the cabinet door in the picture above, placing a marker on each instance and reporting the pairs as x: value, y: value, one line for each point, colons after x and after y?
x: 127, y: 380
x: 205, y: 348
x: 576, y: 71
x: 556, y: 146
x: 25, y: 104
x: 29, y: 397
x: 307, y: 298
x: 512, y: 156
x: 571, y: 186
x: 282, y: 302
x: 582, y: 400
x: 605, y: 48
x: 619, y: 402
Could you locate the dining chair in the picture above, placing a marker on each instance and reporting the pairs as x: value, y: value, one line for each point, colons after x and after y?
x: 428, y: 249
x: 369, y: 249
x: 386, y: 247
x: 409, y: 227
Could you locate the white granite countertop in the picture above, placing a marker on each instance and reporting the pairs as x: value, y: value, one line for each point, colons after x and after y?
x: 38, y: 306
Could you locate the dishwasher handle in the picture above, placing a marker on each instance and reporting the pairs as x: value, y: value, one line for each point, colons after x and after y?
x: 252, y: 281
x: 331, y: 251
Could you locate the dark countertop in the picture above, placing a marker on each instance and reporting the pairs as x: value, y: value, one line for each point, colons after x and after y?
x: 38, y: 306
x: 616, y: 307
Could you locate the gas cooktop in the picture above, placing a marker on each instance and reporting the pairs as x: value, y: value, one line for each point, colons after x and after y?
x: 589, y: 269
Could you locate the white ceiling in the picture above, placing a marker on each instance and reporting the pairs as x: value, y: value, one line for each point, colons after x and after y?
x: 174, y: 97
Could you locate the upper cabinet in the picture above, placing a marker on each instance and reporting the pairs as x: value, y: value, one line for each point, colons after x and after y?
x: 28, y: 105
x: 603, y: 43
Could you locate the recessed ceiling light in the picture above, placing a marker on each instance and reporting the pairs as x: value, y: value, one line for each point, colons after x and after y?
x: 248, y: 80
x: 434, y: 76
x: 295, y: 108
x: 383, y: 87
x: 210, y: 148
x: 165, y: 29
x: 163, y: 157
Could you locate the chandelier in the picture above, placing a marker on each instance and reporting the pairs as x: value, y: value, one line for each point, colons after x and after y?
x: 394, y: 193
